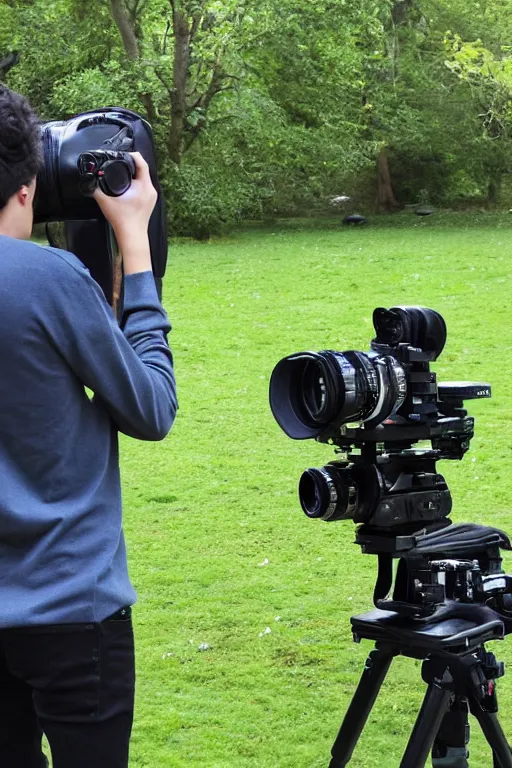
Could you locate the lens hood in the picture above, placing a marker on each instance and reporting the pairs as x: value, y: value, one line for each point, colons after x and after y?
x: 287, y: 402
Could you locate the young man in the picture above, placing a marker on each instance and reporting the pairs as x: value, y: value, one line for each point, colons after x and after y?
x: 66, y: 641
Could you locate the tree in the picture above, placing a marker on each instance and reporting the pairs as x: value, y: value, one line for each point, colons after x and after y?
x: 487, y: 76
x: 425, y: 121
x: 268, y: 109
x: 188, y: 47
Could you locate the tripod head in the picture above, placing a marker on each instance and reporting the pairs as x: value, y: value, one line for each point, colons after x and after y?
x: 440, y: 564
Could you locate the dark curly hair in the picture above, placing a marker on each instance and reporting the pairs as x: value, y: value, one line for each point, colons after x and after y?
x: 20, y: 144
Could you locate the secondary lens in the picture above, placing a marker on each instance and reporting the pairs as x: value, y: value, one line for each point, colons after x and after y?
x: 117, y: 178
x: 329, y: 493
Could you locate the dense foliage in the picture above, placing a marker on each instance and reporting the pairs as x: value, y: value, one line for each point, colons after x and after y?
x: 268, y: 109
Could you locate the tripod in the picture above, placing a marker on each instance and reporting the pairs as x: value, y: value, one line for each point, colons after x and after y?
x: 457, y: 669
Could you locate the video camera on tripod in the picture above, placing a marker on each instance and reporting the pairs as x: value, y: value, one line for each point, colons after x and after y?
x: 450, y: 594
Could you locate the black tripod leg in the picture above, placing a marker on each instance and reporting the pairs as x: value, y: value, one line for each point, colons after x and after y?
x: 450, y: 744
x: 375, y: 670
x: 493, y: 732
x: 434, y: 707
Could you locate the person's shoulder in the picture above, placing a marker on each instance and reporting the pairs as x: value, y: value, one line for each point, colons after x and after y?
x: 63, y: 259
x: 39, y: 257
x: 60, y: 270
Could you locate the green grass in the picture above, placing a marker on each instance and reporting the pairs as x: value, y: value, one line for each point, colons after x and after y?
x: 209, y: 506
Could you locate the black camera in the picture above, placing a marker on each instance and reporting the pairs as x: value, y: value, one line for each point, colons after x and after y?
x: 88, y: 151
x: 448, y: 595
x: 375, y: 407
x: 110, y: 171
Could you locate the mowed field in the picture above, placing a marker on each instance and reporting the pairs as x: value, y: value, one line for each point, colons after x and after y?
x: 245, y: 656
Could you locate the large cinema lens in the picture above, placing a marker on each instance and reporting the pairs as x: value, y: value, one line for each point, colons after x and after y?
x: 311, y: 391
x: 329, y: 493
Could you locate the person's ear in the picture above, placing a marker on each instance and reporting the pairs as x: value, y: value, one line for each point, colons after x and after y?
x: 24, y: 195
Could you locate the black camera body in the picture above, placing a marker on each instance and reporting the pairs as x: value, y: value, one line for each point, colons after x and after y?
x: 375, y: 407
x: 89, y: 150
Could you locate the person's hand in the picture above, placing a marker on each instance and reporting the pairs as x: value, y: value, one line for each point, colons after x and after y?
x: 129, y: 217
x: 132, y: 210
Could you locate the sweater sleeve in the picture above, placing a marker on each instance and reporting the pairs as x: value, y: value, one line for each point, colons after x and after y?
x: 128, y: 366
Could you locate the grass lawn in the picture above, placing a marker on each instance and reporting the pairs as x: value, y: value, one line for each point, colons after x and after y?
x: 245, y: 656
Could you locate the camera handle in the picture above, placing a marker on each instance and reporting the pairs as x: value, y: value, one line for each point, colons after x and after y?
x: 103, y: 119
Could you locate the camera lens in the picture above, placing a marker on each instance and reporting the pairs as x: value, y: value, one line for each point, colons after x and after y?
x: 306, y: 392
x: 116, y: 178
x: 312, y: 391
x: 316, y: 400
x: 329, y: 493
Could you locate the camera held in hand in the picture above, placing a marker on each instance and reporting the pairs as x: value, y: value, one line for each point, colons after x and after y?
x: 90, y: 151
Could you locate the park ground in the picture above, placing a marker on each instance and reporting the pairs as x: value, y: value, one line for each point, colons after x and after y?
x: 245, y: 656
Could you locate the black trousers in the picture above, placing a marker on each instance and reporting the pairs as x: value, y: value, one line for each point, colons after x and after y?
x: 75, y: 683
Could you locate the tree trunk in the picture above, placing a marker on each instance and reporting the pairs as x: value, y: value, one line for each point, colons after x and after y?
x: 178, y: 94
x: 386, y: 199
x: 126, y: 30
x: 400, y: 11
x: 130, y: 40
x: 494, y: 189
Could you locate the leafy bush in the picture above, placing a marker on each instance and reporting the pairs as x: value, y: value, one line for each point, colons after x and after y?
x: 203, y: 200
x: 252, y: 163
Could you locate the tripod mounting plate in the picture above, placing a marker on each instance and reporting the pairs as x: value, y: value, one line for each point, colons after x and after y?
x: 455, y: 628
